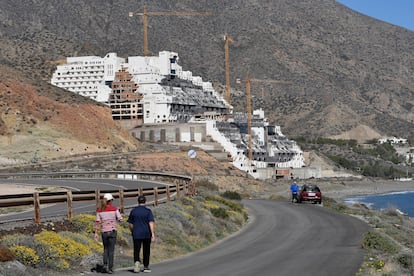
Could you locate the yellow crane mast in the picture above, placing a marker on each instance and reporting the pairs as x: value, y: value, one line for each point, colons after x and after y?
x: 227, y: 40
x: 146, y: 13
x: 248, y: 82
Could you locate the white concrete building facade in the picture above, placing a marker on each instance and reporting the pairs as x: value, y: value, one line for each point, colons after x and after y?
x: 164, y: 100
x: 89, y: 76
x: 170, y: 94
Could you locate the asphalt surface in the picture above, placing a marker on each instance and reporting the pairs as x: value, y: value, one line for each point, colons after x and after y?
x: 281, y: 238
x: 76, y: 184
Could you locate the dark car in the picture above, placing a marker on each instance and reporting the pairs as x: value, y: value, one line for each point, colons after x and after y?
x: 310, y: 193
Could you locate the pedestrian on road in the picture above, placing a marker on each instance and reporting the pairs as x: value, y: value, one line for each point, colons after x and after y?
x: 294, y: 189
x: 141, y: 224
x: 106, y: 219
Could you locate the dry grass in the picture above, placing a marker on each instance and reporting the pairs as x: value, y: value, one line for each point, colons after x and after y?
x: 6, y: 254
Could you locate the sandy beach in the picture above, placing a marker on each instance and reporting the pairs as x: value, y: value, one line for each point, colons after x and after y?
x: 346, y: 188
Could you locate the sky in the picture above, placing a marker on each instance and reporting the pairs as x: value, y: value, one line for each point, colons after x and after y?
x: 397, y: 12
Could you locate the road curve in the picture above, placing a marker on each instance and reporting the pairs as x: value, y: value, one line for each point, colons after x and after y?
x: 280, y: 239
x: 77, y: 184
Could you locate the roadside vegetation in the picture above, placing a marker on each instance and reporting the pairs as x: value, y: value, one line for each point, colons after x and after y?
x: 390, y: 242
x: 182, y: 226
x: 369, y: 159
x: 187, y: 225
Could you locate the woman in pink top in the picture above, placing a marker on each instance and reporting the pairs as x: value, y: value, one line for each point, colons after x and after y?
x: 107, y: 217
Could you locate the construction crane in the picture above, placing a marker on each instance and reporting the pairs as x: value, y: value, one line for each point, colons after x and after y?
x: 227, y: 40
x: 145, y: 15
x: 248, y: 82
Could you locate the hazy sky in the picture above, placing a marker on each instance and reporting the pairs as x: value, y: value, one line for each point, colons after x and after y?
x: 397, y: 12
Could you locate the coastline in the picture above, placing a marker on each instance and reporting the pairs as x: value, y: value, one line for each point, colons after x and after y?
x: 350, y: 188
x: 342, y: 188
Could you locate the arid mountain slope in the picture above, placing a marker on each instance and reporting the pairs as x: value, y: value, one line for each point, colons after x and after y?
x: 46, y: 122
x: 346, y: 70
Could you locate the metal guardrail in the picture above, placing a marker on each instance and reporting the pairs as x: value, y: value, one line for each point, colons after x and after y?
x: 176, y: 185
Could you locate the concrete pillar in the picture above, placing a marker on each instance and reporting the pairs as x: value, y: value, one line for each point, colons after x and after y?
x: 203, y: 134
x: 142, y: 136
x: 177, y: 135
x: 192, y: 134
x: 163, y: 135
x: 152, y: 136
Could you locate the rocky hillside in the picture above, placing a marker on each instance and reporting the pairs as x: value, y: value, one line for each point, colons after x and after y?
x: 40, y: 121
x: 347, y: 71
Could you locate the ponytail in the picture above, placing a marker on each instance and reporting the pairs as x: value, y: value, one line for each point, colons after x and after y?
x: 104, y: 203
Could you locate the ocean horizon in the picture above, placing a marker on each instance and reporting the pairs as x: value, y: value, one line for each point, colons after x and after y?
x: 402, y: 201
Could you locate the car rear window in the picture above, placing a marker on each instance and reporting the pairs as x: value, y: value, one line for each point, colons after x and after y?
x: 311, y: 189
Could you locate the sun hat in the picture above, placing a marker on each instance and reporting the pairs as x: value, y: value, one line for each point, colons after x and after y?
x: 108, y: 197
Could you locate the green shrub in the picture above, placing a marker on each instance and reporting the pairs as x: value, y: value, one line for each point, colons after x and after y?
x: 25, y: 255
x: 60, y: 251
x: 406, y: 261
x: 343, y: 162
x: 378, y: 170
x: 231, y: 195
x: 124, y: 237
x: 84, y: 222
x: 17, y: 239
x: 335, y: 205
x: 219, y: 213
x: 374, y: 240
x: 82, y: 239
x: 232, y: 205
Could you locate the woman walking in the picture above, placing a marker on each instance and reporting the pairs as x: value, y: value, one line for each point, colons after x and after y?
x: 106, y: 219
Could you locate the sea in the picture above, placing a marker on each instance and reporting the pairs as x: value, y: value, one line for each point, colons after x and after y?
x: 402, y: 201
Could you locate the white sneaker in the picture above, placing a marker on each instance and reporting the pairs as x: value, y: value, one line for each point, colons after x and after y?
x: 137, y: 267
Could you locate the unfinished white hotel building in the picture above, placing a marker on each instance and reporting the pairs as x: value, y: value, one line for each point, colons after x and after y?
x: 171, y: 95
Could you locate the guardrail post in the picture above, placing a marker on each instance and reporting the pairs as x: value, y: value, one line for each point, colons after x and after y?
x: 97, y: 199
x: 177, y: 190
x: 155, y: 196
x: 121, y: 201
x: 180, y: 185
x: 36, y: 203
x: 168, y: 193
x: 69, y: 201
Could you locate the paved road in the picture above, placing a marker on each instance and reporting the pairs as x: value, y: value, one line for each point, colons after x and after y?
x: 77, y: 184
x: 280, y: 239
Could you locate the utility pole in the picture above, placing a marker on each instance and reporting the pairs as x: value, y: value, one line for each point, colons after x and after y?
x: 146, y: 13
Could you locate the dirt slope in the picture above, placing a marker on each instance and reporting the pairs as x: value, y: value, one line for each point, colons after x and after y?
x: 38, y: 120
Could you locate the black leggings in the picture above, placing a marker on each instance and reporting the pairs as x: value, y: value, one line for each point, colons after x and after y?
x: 146, y: 251
x: 109, y: 240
